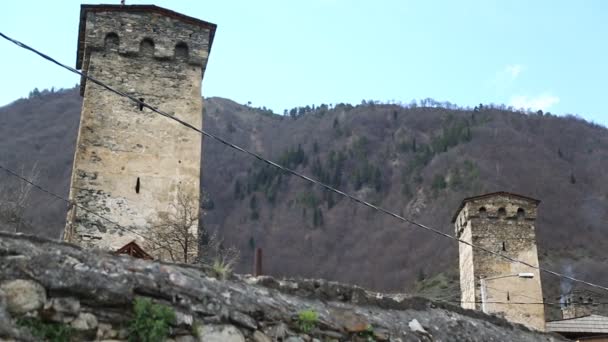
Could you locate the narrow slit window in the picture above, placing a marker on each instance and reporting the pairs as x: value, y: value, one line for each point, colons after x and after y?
x: 137, y: 185
x: 508, y: 296
x: 504, y: 246
x: 141, y: 103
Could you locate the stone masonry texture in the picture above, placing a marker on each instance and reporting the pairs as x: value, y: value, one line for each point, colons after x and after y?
x: 129, y: 162
x: 502, y: 223
x: 92, y: 292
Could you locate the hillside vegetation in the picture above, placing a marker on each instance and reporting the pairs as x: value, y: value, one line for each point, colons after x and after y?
x: 417, y: 161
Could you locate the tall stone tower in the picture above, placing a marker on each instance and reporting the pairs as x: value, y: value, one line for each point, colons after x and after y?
x: 131, y: 164
x: 501, y: 222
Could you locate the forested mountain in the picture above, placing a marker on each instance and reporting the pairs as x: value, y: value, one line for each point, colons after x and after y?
x: 418, y: 161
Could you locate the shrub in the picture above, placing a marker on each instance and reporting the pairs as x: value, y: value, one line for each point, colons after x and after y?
x: 151, y: 322
x: 307, y: 320
x: 221, y: 268
x: 54, y: 332
x: 367, y: 334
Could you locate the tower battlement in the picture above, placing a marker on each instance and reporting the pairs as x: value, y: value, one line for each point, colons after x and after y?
x: 142, y: 31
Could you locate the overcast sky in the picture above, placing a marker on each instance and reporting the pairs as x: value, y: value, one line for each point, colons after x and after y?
x: 548, y: 55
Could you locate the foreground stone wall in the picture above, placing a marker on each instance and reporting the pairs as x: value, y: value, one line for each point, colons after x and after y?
x: 130, y: 163
x: 93, y: 293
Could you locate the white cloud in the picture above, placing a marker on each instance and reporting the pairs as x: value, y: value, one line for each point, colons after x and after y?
x: 542, y: 101
x: 513, y: 70
x: 505, y: 77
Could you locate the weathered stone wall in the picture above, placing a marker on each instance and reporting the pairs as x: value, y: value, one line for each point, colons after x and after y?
x: 121, y: 146
x: 502, y: 224
x: 92, y: 292
x: 467, y: 273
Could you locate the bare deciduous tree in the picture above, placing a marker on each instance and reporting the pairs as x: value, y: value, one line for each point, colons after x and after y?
x: 14, y: 198
x: 175, y: 236
x: 178, y: 237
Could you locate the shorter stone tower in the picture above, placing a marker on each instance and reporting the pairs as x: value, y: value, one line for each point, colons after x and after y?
x: 501, y: 222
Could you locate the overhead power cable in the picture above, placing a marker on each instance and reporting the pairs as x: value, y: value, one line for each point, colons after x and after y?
x: 297, y: 174
x: 52, y: 194
x: 56, y: 196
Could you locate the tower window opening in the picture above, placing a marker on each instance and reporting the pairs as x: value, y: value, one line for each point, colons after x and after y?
x: 508, y: 296
x: 146, y: 47
x: 502, y: 212
x: 504, y: 246
x: 520, y: 213
x: 181, y: 51
x: 141, y: 103
x: 137, y: 185
x: 482, y: 212
x: 111, y: 42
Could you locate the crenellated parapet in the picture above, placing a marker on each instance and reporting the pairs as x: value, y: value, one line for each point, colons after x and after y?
x: 496, y: 206
x: 143, y: 31
x: 135, y: 23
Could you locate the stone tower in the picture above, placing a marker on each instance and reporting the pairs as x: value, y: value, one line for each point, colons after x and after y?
x: 130, y: 164
x: 501, y: 222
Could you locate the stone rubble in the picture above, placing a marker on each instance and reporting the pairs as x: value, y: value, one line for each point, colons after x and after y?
x: 93, y: 293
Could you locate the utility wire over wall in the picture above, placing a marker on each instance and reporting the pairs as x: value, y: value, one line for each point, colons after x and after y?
x: 297, y: 174
x: 71, y: 203
x: 52, y: 194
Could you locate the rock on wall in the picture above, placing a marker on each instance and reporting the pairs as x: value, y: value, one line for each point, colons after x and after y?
x: 92, y: 293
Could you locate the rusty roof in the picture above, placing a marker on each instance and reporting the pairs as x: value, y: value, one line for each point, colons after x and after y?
x: 84, y: 9
x: 134, y: 250
x: 492, y: 194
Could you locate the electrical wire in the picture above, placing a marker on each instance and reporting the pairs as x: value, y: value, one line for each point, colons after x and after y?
x: 52, y: 194
x: 297, y: 174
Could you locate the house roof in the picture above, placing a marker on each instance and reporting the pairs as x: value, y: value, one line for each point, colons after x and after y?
x: 84, y: 9
x: 492, y: 194
x: 133, y: 249
x: 595, y: 324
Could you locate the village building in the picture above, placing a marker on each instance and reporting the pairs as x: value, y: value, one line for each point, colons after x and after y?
x: 584, y: 316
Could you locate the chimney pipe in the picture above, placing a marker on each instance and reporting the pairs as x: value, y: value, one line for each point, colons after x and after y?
x: 257, y: 262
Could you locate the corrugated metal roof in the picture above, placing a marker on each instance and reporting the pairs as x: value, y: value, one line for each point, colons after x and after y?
x: 587, y: 324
